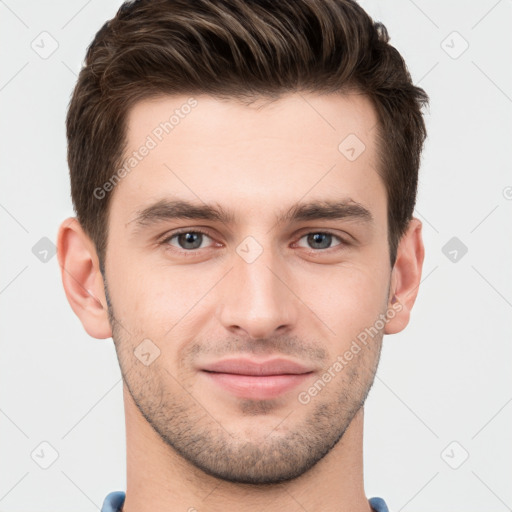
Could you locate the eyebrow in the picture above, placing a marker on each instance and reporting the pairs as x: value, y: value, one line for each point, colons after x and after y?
x: 165, y: 210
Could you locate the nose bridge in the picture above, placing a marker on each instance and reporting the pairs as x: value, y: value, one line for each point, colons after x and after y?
x: 255, y: 296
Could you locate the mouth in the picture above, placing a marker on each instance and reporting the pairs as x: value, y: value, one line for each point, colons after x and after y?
x: 263, y: 380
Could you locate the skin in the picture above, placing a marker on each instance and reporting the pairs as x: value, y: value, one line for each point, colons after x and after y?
x: 190, y: 443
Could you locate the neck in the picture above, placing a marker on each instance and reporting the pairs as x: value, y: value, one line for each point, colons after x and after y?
x: 160, y: 479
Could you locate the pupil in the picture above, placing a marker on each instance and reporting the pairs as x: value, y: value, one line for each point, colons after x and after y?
x: 317, y: 238
x: 190, y: 238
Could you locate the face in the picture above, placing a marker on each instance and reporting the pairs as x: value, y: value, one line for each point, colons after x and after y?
x: 255, y: 235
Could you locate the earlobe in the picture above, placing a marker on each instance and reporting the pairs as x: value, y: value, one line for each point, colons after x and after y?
x: 405, y: 278
x: 82, y: 279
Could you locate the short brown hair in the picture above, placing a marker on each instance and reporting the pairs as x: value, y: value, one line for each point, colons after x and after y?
x: 239, y: 49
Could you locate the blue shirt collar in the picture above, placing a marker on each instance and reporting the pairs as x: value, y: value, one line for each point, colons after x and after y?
x: 114, y: 501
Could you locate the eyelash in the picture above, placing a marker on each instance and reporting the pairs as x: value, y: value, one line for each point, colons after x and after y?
x: 194, y: 252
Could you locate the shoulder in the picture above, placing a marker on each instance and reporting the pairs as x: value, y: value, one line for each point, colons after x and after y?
x: 378, y: 505
x: 113, y: 501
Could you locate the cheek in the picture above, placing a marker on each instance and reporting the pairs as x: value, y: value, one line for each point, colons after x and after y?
x: 347, y: 298
x: 157, y: 299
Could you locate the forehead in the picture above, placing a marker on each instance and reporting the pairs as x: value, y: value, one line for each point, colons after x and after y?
x: 263, y: 154
x: 292, y: 119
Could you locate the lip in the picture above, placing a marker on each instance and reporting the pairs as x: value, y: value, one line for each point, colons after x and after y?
x: 276, y: 366
x: 263, y: 380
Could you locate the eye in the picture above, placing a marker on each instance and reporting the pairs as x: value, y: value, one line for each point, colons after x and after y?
x: 320, y: 240
x: 190, y: 241
x: 186, y: 240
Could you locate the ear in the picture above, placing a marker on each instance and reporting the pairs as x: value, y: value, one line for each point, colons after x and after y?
x: 405, y: 278
x: 82, y: 279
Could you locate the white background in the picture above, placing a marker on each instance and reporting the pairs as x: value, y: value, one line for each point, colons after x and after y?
x: 445, y: 379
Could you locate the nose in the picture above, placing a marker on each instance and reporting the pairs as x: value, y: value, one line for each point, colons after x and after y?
x: 257, y: 300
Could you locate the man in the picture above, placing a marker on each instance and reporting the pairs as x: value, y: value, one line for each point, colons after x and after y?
x: 244, y: 175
